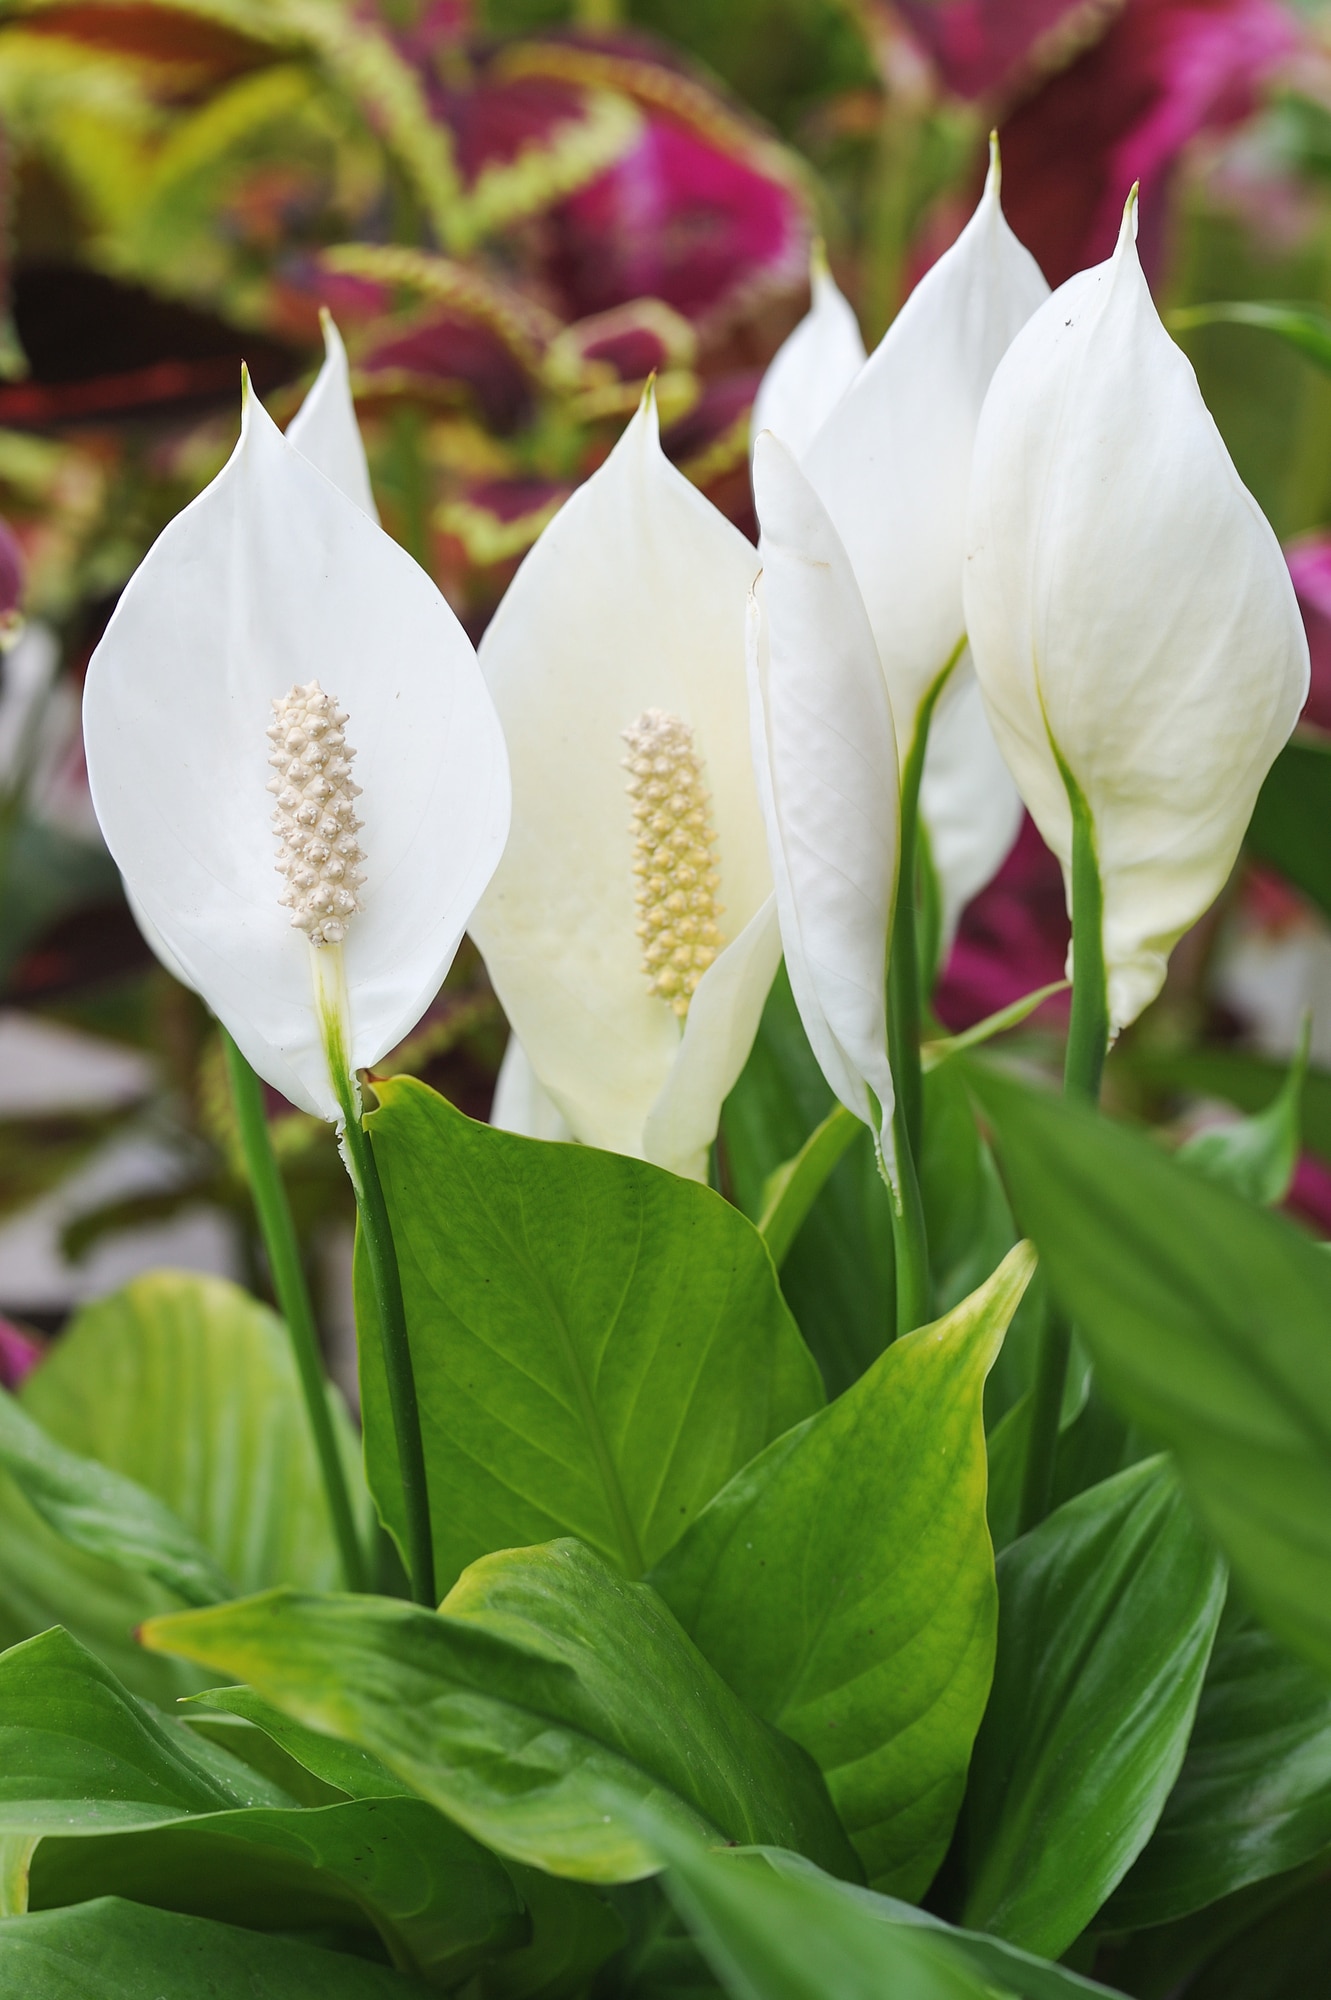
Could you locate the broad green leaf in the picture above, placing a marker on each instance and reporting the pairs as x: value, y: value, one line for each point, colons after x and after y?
x: 543, y: 1700
x: 392, y: 1869
x: 837, y: 1275
x: 1207, y: 1320
x: 185, y: 1385
x: 1256, y: 1156
x: 779, y: 1936
x: 104, y: 1513
x: 573, y: 1932
x: 1295, y: 798
x: 598, y: 1344
x: 78, y: 1750
x: 843, y: 1584
x: 1108, y: 1611
x: 109, y: 1950
x: 1006, y: 1964
x: 1286, y: 1955
x: 791, y: 1190
x: 1254, y: 1796
x: 349, y: 1770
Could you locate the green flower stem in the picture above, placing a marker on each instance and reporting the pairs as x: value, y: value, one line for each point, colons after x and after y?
x: 377, y: 1233
x: 1088, y: 1042
x: 279, y: 1236
x: 909, y: 1240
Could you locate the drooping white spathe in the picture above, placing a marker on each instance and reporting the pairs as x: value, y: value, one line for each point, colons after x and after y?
x: 270, y: 578
x: 826, y: 756
x: 1130, y: 611
x: 633, y: 599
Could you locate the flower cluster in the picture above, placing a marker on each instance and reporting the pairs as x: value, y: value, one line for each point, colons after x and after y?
x: 673, y: 838
x: 315, y: 821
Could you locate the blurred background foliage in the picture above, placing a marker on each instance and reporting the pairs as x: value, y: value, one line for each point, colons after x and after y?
x: 517, y: 210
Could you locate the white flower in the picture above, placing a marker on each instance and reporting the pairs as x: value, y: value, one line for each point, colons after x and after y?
x: 270, y: 591
x: 630, y: 929
x: 812, y: 370
x: 1130, y: 611
x: 891, y: 465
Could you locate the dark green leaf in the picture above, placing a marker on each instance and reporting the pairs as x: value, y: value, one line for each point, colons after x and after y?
x: 1287, y: 1956
x: 1254, y: 1796
x: 121, y: 1951
x: 792, y: 1189
x: 544, y: 1699
x: 573, y: 1932
x: 1256, y: 1156
x: 77, y: 1749
x: 844, y: 1584
x: 391, y: 1868
x: 837, y: 1275
x: 104, y: 1513
x: 1108, y: 1611
x: 1296, y: 798
x: 1208, y: 1323
x: 598, y: 1344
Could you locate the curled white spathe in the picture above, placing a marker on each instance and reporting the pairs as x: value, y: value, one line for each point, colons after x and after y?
x: 1129, y: 611
x: 272, y: 576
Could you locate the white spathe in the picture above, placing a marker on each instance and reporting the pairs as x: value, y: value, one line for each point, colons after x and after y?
x: 324, y: 428
x: 1129, y: 609
x: 826, y: 755
x: 813, y: 368
x: 272, y: 577
x: 632, y: 599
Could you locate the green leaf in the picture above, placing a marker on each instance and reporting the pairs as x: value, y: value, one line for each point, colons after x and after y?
x: 349, y: 1770
x: 573, y: 1932
x: 1207, y: 1320
x: 1306, y: 328
x: 392, y: 1869
x: 598, y: 1344
x: 1254, y: 1796
x: 933, y: 1054
x: 185, y: 1385
x: 837, y: 1275
x: 843, y: 1584
x: 782, y: 1935
x: 1247, y: 1081
x: 111, y: 1950
x: 537, y: 1707
x: 790, y: 1191
x: 104, y: 1513
x: 1256, y: 1156
x: 1108, y: 1611
x: 1295, y: 798
x: 76, y: 1748
x: 1284, y: 1956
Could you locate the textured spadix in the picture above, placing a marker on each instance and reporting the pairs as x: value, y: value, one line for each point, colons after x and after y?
x: 271, y: 578
x: 632, y: 601
x: 1129, y: 609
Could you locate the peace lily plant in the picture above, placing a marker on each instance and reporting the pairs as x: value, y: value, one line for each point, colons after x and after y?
x: 712, y: 1680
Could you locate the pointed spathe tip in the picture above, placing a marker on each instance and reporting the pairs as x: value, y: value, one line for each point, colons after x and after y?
x: 993, y: 180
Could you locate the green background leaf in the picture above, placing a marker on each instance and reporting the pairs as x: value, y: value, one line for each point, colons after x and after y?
x: 1207, y: 1320
x: 542, y: 1702
x: 1108, y: 1611
x: 598, y: 1345
x: 844, y: 1584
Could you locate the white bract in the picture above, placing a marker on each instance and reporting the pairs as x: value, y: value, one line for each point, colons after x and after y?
x: 272, y: 618
x: 1130, y: 611
x: 812, y: 370
x: 630, y: 929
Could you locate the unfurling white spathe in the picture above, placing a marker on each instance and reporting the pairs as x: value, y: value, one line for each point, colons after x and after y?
x: 826, y: 756
x: 273, y: 576
x: 891, y: 463
x: 812, y: 369
x: 628, y: 616
x: 1129, y: 610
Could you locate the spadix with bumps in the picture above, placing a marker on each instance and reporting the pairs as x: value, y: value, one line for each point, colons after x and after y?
x: 315, y: 821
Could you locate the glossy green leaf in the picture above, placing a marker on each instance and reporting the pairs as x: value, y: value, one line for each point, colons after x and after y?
x: 185, y: 1385
x: 394, y: 1869
x: 537, y: 1707
x: 1254, y: 1796
x: 844, y: 1584
x: 345, y: 1767
x: 76, y: 1749
x: 837, y: 1275
x: 1207, y: 1320
x: 1256, y: 1156
x: 109, y: 1950
x: 104, y: 1513
x: 598, y: 1344
x: 1108, y: 1611
x: 792, y: 1189
x: 1296, y: 797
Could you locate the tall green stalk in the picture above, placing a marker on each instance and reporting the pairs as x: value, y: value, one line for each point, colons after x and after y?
x: 910, y: 1241
x: 293, y: 1298
x: 1083, y: 1065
